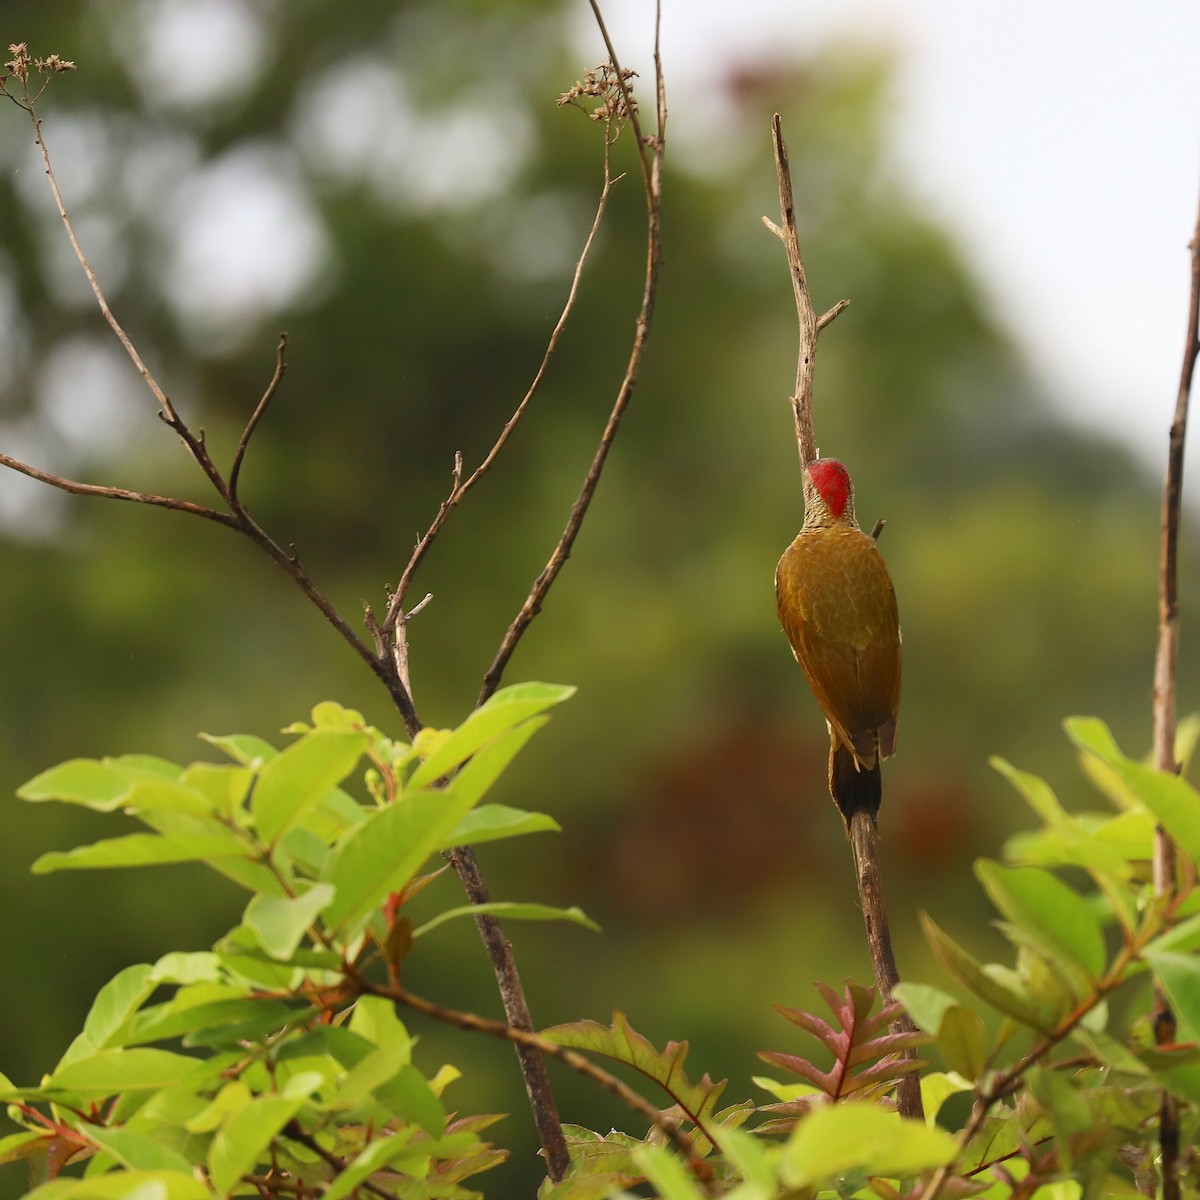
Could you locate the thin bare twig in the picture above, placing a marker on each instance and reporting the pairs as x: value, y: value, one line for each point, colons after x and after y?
x: 1166, y: 857
x: 460, y: 486
x: 864, y: 838
x: 116, y: 493
x: 544, y: 1047
x: 809, y: 323
x: 650, y: 154
x: 259, y: 409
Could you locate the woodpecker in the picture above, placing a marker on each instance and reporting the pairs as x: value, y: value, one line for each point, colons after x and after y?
x: 838, y: 608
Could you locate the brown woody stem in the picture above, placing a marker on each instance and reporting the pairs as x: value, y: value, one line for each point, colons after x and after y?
x: 864, y: 838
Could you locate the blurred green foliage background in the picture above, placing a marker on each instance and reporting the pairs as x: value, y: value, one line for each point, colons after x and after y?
x: 424, y: 199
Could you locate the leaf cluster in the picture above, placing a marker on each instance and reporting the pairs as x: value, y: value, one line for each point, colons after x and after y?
x: 263, y: 1065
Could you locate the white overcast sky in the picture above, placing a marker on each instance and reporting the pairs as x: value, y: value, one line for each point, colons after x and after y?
x: 1059, y: 138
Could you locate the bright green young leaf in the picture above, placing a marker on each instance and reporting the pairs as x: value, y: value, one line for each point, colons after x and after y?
x: 384, y: 852
x: 491, y: 822
x: 1036, y: 792
x: 17, y: 1146
x: 144, y: 850
x: 1068, y: 845
x: 375, y: 1019
x: 223, y: 785
x: 1169, y: 797
x: 998, y: 992
x: 1180, y: 938
x: 963, y: 1042
x: 136, y: 1151
x: 856, y: 1135
x: 382, y: 1152
x: 166, y: 795
x: 669, y: 1177
x: 504, y: 711
x: 243, y: 1140
x: 1055, y: 914
x: 115, y: 1002
x: 243, y: 748
x: 198, y: 966
x: 488, y: 763
x: 99, y: 784
x: 1180, y: 976
x: 281, y: 923
x: 299, y: 777
x: 512, y: 911
x: 111, y: 1071
x: 1187, y: 736
x: 407, y: 1095
x: 380, y: 1065
x: 936, y: 1088
x: 125, y: 1185
x: 331, y: 715
x: 752, y: 1160
x: 1093, y: 735
x: 926, y: 1005
x: 233, y: 1097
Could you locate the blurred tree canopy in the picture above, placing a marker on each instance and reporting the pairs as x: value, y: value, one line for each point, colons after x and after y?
x: 393, y: 184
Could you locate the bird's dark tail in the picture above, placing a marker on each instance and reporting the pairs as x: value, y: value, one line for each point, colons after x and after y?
x: 854, y: 788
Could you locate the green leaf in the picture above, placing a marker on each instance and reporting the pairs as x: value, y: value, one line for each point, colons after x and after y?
x: 281, y: 923
x: 387, y: 849
x: 225, y: 787
x: 926, y: 1005
x: 1036, y: 792
x: 852, y: 1135
x: 1053, y: 913
x: 300, y: 776
x: 998, y: 992
x: 137, y: 1151
x: 111, y: 1071
x: 98, y: 784
x: 670, y: 1178
x: 144, y: 850
x: 198, y: 966
x: 936, y: 1088
x: 1172, y: 799
x: 624, y: 1044
x: 125, y: 1185
x: 382, y: 1152
x: 963, y: 1042
x: 1180, y: 976
x: 243, y: 748
x: 115, y: 1002
x: 512, y: 911
x: 505, y: 710
x: 487, y: 763
x: 243, y: 1139
x: 167, y: 795
x: 491, y: 822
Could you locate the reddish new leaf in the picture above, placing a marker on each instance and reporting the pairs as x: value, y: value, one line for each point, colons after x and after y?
x: 857, y: 1039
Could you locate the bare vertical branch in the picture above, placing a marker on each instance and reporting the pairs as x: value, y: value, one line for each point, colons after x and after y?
x: 864, y: 838
x: 809, y: 323
x: 864, y: 834
x: 1166, y: 866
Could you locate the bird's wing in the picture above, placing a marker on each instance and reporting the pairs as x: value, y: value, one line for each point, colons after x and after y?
x: 838, y: 609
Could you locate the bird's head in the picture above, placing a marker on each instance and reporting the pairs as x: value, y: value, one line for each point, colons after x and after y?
x: 828, y: 494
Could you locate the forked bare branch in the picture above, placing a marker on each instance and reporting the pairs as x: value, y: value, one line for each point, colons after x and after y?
x: 650, y: 151
x: 460, y: 487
